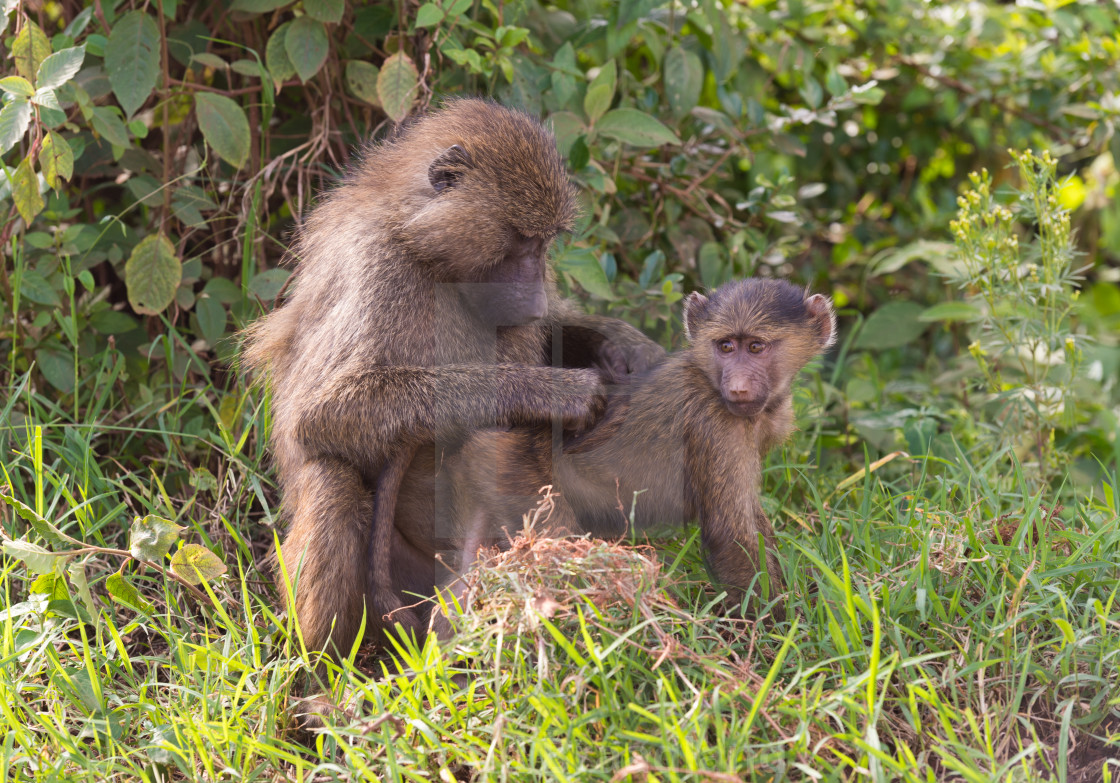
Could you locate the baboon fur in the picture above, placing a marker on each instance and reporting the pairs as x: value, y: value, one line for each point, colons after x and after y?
x: 689, y: 437
x: 423, y: 308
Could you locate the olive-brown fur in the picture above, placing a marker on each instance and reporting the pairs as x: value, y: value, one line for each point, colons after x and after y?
x: 376, y: 353
x: 674, y: 437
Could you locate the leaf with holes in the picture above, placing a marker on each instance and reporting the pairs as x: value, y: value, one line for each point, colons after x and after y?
x: 194, y: 564
x: 361, y: 80
x: 152, y: 275
x: 224, y: 126
x: 14, y: 119
x: 132, y: 59
x: 398, y: 84
x: 151, y: 537
x: 29, y: 50
x: 56, y: 159
x: 307, y: 45
x: 60, y: 67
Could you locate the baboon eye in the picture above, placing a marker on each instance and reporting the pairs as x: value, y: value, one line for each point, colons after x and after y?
x: 756, y: 347
x: 725, y: 346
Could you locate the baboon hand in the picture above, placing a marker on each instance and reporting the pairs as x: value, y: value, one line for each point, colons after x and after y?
x: 584, y: 400
x: 620, y: 359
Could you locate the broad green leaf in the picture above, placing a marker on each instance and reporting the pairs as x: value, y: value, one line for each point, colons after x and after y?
x: 307, y: 44
x: 14, y: 119
x: 893, y: 325
x: 35, y: 287
x: 684, y: 77
x: 597, y: 101
x: 950, y: 311
x: 586, y: 270
x: 112, y: 322
x: 151, y: 537
x: 132, y: 59
x: 868, y: 93
x: 224, y: 126
x: 18, y: 86
x: 211, y: 318
x: 109, y: 126
x: 567, y: 127
x: 37, y: 559
x: 152, y: 274
x: 258, y: 6
x: 57, y: 367
x: 267, y: 284
x: 429, y: 15
x: 398, y: 85
x: 194, y: 564
x: 361, y: 80
x: 25, y: 191
x: 276, y: 56
x: 636, y: 128
x: 29, y: 50
x: 893, y: 259
x: 329, y: 11
x: 122, y: 591
x: 56, y: 160
x: 60, y: 68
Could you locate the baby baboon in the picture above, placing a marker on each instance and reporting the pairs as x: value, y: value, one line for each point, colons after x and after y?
x: 423, y: 309
x: 690, y: 436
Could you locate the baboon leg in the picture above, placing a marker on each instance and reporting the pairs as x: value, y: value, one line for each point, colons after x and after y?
x: 325, y: 551
x: 385, y: 599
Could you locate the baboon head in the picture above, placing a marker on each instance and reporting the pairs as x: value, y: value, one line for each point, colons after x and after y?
x: 752, y: 336
x: 487, y: 194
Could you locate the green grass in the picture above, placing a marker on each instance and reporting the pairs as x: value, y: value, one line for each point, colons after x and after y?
x: 947, y: 622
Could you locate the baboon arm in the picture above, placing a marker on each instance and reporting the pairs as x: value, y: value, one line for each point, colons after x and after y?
x: 359, y: 415
x: 613, y: 345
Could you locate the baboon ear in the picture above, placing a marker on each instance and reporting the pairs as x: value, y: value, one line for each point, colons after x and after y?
x: 446, y: 170
x: 820, y: 310
x: 695, y: 311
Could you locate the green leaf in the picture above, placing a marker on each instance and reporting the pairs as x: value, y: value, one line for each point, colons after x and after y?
x: 329, y: 11
x: 57, y: 367
x: 636, y: 128
x: 132, y: 59
x: 77, y: 573
x: 893, y: 325
x: 307, y: 45
x: 56, y: 160
x: 122, y: 591
x: 112, y: 322
x: 597, y: 101
x: 152, y: 274
x: 429, y: 15
x: 18, y: 86
x: 14, y: 119
x: 258, y: 6
x: 60, y: 68
x: 684, y: 78
x: 211, y: 318
x: 950, y: 311
x: 109, y: 126
x: 224, y: 126
x: 361, y: 80
x: 276, y: 56
x: 868, y: 94
x: 893, y: 259
x: 586, y: 270
x: 398, y: 85
x: 194, y: 564
x: 267, y: 284
x: 25, y: 191
x: 29, y: 50
x: 151, y: 537
x: 41, y: 526
x: 35, y: 287
x: 37, y: 559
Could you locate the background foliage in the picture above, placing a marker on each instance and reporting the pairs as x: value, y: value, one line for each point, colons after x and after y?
x: 158, y: 155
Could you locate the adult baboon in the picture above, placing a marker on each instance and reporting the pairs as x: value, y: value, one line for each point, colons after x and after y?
x: 690, y: 436
x: 423, y: 309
